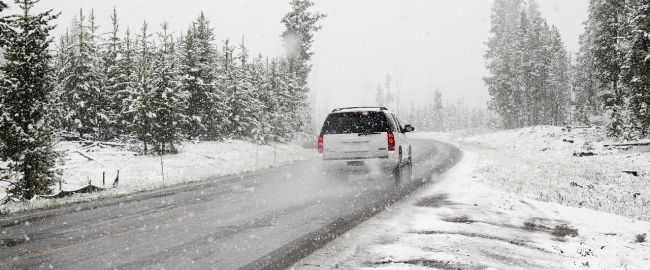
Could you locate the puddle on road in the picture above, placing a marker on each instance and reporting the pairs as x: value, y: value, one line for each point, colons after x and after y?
x: 11, y: 242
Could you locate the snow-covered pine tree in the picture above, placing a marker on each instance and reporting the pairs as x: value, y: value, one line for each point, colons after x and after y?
x: 257, y: 73
x: 501, y: 59
x: 636, y: 71
x: 112, y: 74
x: 243, y: 105
x: 295, y: 109
x: 265, y: 81
x: 606, y: 29
x: 560, y: 85
x: 280, y: 127
x: 144, y: 111
x: 3, y: 25
x: 102, y: 118
x: 166, y: 101
x: 537, y: 78
x: 125, y: 91
x: 83, y: 95
x: 522, y: 64
x: 585, y: 83
x: 26, y: 128
x: 63, y: 56
x: 199, y: 64
x: 520, y: 59
x: 190, y: 84
x: 438, y: 118
x: 300, y: 25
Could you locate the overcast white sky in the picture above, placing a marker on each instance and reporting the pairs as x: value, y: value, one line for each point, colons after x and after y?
x: 424, y: 44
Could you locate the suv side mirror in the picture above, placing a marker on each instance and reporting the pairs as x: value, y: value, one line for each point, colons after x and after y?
x: 408, y: 128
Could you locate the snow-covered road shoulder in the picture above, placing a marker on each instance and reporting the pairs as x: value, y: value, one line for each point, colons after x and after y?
x: 194, y: 162
x: 460, y: 223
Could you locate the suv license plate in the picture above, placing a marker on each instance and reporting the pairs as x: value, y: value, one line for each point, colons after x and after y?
x: 355, y: 163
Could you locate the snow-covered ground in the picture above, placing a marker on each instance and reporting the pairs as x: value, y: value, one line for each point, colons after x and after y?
x: 541, y: 163
x: 194, y: 162
x: 462, y: 222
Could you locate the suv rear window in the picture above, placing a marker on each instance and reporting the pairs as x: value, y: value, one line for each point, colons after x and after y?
x: 356, y: 122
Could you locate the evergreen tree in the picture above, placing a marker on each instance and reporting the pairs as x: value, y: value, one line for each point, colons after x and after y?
x: 144, y: 110
x: 585, y: 83
x: 243, y: 105
x: 199, y: 63
x: 536, y: 77
x: 267, y: 99
x: 124, y: 91
x: 256, y: 74
x: 4, y: 29
x: 64, y: 52
x: 112, y: 74
x: 438, y: 118
x: 300, y: 26
x: 166, y: 100
x: 278, y: 94
x: 82, y: 87
x: 559, y: 87
x: 529, y: 80
x: 26, y: 130
x: 102, y: 120
x: 501, y: 59
x: 636, y: 72
x: 606, y: 28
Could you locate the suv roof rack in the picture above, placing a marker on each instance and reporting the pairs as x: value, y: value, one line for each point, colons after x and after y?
x: 363, y: 107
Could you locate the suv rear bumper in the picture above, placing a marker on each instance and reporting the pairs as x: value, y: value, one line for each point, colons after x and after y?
x: 388, y: 161
x: 356, y: 158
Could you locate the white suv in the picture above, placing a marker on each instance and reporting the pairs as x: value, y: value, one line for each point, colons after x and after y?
x: 362, y: 136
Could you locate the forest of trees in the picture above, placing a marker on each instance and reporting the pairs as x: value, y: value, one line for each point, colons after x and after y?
x: 612, y: 71
x: 160, y: 88
x: 532, y: 82
x: 529, y: 81
x: 442, y: 116
x: 156, y: 89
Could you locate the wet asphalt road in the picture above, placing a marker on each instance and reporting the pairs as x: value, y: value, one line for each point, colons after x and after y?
x: 267, y: 220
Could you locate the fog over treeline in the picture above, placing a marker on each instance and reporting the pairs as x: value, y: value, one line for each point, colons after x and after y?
x: 424, y: 45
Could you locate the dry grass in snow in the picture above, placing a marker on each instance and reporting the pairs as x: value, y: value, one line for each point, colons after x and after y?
x: 544, y: 163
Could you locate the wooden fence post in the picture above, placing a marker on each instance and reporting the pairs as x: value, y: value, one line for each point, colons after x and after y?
x: 162, y: 170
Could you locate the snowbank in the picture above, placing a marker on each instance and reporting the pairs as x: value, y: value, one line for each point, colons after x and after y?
x: 553, y: 164
x: 461, y: 222
x: 194, y: 162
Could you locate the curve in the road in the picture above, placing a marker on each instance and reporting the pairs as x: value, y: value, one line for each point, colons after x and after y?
x: 441, y: 160
x: 267, y: 220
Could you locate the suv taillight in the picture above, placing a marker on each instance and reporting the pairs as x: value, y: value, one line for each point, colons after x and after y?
x: 320, y: 143
x: 391, y: 141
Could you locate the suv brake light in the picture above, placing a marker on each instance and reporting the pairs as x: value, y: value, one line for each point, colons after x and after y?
x: 391, y: 141
x: 320, y: 143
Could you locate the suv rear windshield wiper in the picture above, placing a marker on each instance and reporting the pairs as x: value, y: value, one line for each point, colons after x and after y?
x: 369, y: 133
